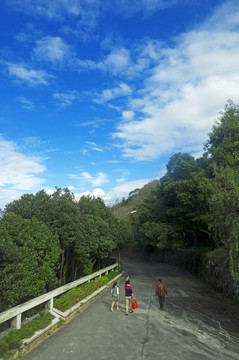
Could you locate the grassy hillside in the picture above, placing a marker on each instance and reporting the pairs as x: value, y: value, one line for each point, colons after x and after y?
x: 135, y: 197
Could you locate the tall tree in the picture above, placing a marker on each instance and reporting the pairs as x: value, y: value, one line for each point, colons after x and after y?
x: 29, y: 255
x: 222, y: 148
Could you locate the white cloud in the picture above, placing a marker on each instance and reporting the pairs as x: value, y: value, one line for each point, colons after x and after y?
x: 88, y: 11
x: 91, y: 143
x: 147, y: 6
x: 95, y: 193
x: 109, y: 94
x: 119, y: 61
x: 86, y: 177
x: 29, y: 76
x: 51, y: 49
x: 128, y: 115
x: 97, y: 149
x: 115, y: 62
x: 121, y: 180
x: 85, y: 11
x: 26, y: 104
x: 66, y: 99
x: 180, y: 101
x: 18, y: 172
x: 116, y: 193
x: 123, y: 190
x: 93, y: 147
x: 109, y: 197
x: 100, y: 179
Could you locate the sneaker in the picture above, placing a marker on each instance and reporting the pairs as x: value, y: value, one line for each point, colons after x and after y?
x: 131, y: 312
x: 126, y: 314
x: 111, y: 309
x: 117, y: 308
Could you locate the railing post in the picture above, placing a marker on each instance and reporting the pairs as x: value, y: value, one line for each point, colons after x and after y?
x: 46, y: 299
x: 17, y: 322
x: 49, y: 304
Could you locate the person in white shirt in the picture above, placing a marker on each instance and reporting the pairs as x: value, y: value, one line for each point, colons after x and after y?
x: 114, y: 296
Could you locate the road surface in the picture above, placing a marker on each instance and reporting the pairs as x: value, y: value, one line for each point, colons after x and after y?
x: 196, y: 324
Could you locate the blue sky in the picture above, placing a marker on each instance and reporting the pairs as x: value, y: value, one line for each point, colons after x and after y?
x: 96, y: 95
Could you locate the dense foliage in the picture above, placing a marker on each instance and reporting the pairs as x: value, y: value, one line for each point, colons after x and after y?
x: 49, y: 240
x: 196, y: 203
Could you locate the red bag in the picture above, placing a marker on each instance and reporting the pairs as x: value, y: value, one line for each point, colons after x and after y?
x: 134, y: 304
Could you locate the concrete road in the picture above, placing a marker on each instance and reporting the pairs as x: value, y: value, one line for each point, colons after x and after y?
x: 196, y: 324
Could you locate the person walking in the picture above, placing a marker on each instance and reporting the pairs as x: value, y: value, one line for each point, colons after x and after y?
x: 129, y: 296
x: 114, y: 296
x: 161, y: 291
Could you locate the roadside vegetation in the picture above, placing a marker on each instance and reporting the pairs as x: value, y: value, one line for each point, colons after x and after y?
x: 47, y: 241
x: 195, y: 205
x: 14, y: 339
x: 73, y: 296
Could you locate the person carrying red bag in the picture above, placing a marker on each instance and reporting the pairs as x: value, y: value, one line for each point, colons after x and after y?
x: 129, y: 296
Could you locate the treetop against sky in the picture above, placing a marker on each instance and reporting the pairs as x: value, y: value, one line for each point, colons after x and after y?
x: 97, y: 95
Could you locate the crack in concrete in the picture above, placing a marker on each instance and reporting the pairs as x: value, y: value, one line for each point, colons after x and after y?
x: 146, y: 339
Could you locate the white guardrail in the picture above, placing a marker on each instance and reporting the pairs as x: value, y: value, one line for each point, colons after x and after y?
x: 15, y: 313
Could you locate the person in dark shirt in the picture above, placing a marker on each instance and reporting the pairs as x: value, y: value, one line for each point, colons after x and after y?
x: 129, y: 296
x: 161, y: 291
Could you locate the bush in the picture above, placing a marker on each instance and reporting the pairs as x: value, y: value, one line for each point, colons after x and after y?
x: 13, y: 340
x: 73, y: 296
x: 25, y: 332
x: 4, y: 348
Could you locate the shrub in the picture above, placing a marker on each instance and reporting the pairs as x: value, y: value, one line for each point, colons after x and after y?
x: 73, y: 296
x: 4, y: 348
x: 13, y: 340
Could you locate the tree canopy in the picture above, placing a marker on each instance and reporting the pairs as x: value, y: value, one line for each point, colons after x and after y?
x: 49, y: 240
x: 196, y: 203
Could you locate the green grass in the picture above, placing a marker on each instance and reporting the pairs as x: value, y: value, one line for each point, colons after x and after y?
x: 13, y: 340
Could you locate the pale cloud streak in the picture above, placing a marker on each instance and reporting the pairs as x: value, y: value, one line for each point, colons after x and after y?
x: 31, y: 77
x: 86, y: 177
x: 147, y: 6
x: 88, y: 10
x: 66, y: 99
x: 119, y: 62
x: 106, y: 95
x: 84, y: 10
x: 26, y: 103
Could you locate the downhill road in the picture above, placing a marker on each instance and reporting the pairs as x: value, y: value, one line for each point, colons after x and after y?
x: 197, y: 324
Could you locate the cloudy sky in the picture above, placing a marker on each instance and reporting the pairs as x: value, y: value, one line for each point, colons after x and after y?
x: 96, y: 95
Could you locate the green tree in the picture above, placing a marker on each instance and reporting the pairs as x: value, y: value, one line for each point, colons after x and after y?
x: 176, y: 213
x: 223, y: 150
x: 223, y: 143
x: 103, y: 231
x: 29, y: 254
